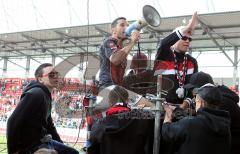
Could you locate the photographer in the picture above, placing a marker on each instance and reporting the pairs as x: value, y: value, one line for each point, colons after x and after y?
x: 229, y: 103
x: 208, y: 132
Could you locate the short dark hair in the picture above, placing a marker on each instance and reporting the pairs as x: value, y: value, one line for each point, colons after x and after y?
x: 118, y: 94
x: 115, y: 21
x: 39, y: 70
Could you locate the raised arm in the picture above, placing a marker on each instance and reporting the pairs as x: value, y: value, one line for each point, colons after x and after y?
x: 117, y: 57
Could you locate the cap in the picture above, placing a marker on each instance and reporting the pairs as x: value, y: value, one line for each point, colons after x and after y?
x: 198, y: 79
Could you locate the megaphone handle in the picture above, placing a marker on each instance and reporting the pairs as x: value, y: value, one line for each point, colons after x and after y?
x: 138, y: 55
x: 138, y: 52
x: 131, y: 28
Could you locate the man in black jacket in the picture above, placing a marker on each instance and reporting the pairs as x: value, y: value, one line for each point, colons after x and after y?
x: 30, y: 126
x: 230, y: 102
x: 207, y: 133
x: 122, y: 131
x: 173, y: 62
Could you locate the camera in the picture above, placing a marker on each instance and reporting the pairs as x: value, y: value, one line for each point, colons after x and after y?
x: 179, y: 113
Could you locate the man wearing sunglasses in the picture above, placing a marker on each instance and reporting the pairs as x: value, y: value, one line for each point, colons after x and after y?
x: 173, y: 62
x: 30, y: 127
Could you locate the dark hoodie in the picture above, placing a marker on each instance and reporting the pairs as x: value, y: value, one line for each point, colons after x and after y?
x: 230, y: 104
x: 31, y: 120
x: 207, y: 133
x: 123, y: 133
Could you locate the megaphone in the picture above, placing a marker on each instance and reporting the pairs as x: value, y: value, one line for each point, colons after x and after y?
x: 150, y: 17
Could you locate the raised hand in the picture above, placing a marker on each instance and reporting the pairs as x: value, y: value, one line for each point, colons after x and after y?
x: 188, y: 30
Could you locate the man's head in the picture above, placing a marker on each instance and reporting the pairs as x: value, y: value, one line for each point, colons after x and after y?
x: 47, y: 75
x: 118, y: 95
x: 208, y: 96
x: 118, y: 27
x: 183, y: 44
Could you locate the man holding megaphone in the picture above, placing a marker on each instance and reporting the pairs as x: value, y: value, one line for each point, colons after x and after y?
x: 113, y: 55
x: 113, y: 52
x: 113, y: 61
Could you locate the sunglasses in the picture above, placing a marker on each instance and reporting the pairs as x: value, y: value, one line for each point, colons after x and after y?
x: 52, y: 75
x: 186, y: 38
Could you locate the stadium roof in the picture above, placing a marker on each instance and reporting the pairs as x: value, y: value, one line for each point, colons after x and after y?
x: 216, y: 32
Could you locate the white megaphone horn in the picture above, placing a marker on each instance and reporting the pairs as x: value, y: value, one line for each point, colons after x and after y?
x: 150, y: 17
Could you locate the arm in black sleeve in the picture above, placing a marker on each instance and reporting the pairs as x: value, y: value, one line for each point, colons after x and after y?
x: 150, y: 138
x: 24, y: 110
x: 21, y: 116
x: 95, y: 138
x: 52, y: 130
x: 176, y: 131
x: 166, y: 43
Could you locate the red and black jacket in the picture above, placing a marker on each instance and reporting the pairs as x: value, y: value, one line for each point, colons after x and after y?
x: 165, y: 65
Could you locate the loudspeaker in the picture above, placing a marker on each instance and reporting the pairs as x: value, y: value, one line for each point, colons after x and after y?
x: 150, y: 17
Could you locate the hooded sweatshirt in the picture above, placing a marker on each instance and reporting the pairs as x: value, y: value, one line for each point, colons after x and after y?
x: 123, y: 133
x: 31, y: 120
x: 207, y: 133
x: 230, y: 104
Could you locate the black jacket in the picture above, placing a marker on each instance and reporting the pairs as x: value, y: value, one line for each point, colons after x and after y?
x: 123, y: 134
x: 207, y: 133
x: 164, y: 64
x: 31, y: 120
x: 230, y: 104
